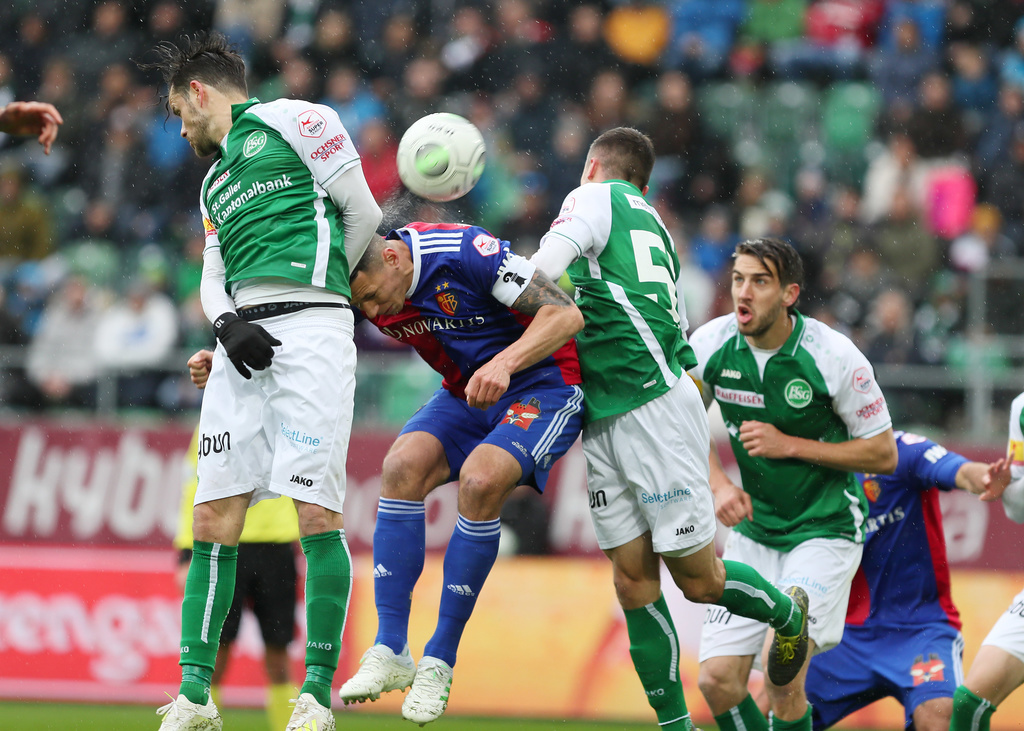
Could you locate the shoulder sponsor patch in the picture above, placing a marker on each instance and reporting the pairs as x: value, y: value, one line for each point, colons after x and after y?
x: 486, y: 245
x: 568, y: 206
x: 311, y: 124
x: 741, y: 398
x: 862, y: 380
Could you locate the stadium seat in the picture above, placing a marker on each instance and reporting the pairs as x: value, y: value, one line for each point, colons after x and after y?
x: 727, y: 109
x: 849, y: 113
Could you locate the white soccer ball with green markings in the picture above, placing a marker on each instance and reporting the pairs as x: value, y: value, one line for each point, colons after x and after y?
x: 441, y: 157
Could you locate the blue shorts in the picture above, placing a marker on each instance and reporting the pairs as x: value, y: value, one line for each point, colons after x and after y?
x: 911, y: 664
x: 536, y: 425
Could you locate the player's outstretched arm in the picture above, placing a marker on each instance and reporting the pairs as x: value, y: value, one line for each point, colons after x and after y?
x: 987, y: 481
x: 556, y: 319
x: 875, y: 454
x: 32, y: 118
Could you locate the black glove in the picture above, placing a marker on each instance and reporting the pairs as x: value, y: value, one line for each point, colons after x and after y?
x: 246, y: 344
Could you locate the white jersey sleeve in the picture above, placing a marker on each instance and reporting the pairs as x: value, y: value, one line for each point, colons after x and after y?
x: 584, y: 222
x: 706, y: 341
x: 212, y: 294
x: 316, y: 134
x: 856, y: 395
x: 1013, y: 497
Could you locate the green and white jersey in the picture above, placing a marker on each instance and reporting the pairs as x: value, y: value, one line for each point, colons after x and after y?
x: 1013, y: 497
x: 632, y: 348
x: 264, y: 201
x: 818, y: 385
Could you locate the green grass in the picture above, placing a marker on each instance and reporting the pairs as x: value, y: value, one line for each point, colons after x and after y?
x: 73, y: 717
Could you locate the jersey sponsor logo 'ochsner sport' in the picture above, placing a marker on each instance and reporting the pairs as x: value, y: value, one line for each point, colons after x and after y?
x: 871, y: 409
x: 797, y: 393
x: 333, y: 145
x: 743, y: 398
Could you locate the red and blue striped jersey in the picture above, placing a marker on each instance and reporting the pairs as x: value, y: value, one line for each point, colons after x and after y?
x: 903, y: 578
x: 458, y: 314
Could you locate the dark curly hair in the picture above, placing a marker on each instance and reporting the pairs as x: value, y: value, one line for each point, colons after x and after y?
x: 788, y: 265
x: 206, y: 57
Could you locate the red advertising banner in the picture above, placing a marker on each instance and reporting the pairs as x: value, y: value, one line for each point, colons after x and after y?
x: 103, y: 485
x: 102, y: 625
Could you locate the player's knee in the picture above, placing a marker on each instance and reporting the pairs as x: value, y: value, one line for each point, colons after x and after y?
x: 479, y: 497
x: 933, y: 715
x: 720, y: 687
x: 634, y: 591
x: 402, y: 477
x: 207, y: 523
x: 699, y: 589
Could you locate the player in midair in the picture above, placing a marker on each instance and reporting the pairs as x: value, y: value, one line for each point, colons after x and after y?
x: 646, y: 435
x: 902, y: 635
x: 998, y: 668
x: 285, y: 206
x: 804, y: 413
x: 500, y: 333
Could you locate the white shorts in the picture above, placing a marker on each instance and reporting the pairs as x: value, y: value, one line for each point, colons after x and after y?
x: 647, y: 470
x: 823, y: 567
x: 286, y: 431
x: 1008, y: 631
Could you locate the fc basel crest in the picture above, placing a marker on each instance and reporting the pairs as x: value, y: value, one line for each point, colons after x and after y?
x: 924, y: 671
x: 448, y: 302
x: 872, y: 489
x: 522, y: 415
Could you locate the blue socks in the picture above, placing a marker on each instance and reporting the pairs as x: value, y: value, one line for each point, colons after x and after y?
x: 471, y: 553
x: 398, y: 554
x: 399, y: 547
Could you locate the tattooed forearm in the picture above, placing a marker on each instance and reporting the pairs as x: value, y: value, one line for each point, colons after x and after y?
x: 539, y: 292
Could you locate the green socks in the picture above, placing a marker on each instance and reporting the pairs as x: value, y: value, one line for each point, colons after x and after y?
x: 970, y: 712
x: 328, y: 588
x: 744, y: 717
x: 801, y: 724
x: 749, y: 594
x: 654, y: 647
x: 209, y: 589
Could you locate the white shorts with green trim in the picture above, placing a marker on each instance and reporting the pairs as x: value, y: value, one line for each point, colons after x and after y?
x: 647, y: 470
x: 823, y: 567
x: 286, y: 431
x: 1008, y: 631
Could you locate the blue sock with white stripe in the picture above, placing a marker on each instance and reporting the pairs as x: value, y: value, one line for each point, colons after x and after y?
x: 399, y: 547
x: 467, y: 562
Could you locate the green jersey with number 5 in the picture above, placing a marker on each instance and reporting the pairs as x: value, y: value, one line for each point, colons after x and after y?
x: 632, y: 348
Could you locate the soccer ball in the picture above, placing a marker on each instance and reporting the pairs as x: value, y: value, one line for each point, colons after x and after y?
x: 441, y: 157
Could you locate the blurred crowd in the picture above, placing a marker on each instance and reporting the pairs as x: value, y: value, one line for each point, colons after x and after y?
x: 883, y: 138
